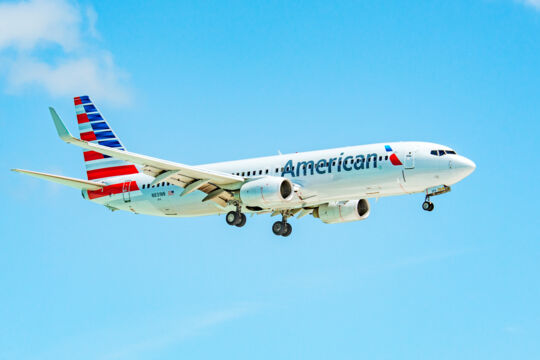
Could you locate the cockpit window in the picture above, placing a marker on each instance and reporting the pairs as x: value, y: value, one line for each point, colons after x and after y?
x: 442, y: 152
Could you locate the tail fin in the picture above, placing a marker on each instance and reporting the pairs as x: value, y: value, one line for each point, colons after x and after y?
x: 93, y: 128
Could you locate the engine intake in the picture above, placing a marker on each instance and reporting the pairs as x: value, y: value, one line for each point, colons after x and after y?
x: 340, y: 212
x: 267, y: 192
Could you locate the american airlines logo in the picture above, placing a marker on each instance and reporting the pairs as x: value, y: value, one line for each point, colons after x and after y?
x: 338, y: 164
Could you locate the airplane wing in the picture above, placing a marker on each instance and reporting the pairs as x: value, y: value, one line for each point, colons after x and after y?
x: 64, y: 180
x: 189, y: 177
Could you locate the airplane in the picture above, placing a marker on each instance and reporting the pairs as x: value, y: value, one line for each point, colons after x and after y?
x: 333, y: 185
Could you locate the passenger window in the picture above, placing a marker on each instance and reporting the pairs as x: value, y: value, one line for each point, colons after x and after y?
x: 386, y: 157
x: 334, y: 163
x: 266, y: 171
x: 281, y: 169
x: 380, y: 158
x: 243, y: 173
x: 260, y: 172
x: 249, y: 173
x: 157, y: 185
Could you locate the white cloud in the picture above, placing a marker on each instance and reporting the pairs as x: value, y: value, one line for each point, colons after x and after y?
x: 96, y: 76
x: 180, y: 332
x: 534, y: 3
x: 25, y: 24
x: 92, y: 17
x: 41, y: 45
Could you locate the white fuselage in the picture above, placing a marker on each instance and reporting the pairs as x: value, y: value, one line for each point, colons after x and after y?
x: 340, y: 174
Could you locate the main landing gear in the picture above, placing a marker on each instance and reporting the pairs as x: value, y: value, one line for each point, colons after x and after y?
x: 236, y: 218
x: 282, y: 227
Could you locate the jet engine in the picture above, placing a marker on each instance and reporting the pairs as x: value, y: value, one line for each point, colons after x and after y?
x: 343, y: 211
x: 267, y: 192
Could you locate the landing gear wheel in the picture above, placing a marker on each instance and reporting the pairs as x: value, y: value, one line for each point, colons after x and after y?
x: 241, y: 221
x: 287, y: 230
x: 232, y: 217
x: 428, y: 206
x: 278, y: 228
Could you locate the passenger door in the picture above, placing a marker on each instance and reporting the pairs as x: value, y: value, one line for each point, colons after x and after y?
x: 409, y: 160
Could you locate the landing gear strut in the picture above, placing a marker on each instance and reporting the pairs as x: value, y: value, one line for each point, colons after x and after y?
x: 282, y: 227
x: 433, y: 191
x: 236, y: 218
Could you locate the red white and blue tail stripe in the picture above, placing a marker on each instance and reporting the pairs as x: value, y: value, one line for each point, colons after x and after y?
x: 94, y: 129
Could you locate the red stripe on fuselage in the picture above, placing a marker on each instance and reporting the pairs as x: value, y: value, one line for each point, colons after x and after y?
x: 112, y: 171
x: 113, y: 189
x: 88, y: 136
x: 92, y: 155
x: 82, y: 118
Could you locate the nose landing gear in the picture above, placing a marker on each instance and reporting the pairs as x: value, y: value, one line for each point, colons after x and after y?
x: 427, y: 205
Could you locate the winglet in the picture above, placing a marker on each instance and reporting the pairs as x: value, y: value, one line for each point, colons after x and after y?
x: 63, y: 132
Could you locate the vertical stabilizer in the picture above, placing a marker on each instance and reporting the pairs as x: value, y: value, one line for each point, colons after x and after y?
x: 95, y: 129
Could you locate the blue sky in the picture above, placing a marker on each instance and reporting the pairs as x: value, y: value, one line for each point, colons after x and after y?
x: 197, y: 82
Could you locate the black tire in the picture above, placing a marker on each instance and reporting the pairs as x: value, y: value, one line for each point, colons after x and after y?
x: 278, y: 228
x: 426, y: 205
x: 287, y: 231
x: 232, y: 217
x: 241, y: 220
x: 431, y: 206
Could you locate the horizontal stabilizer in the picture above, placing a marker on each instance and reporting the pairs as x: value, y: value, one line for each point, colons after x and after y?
x: 64, y: 180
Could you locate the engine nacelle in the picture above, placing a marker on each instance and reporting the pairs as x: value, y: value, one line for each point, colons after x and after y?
x: 267, y: 192
x: 340, y: 212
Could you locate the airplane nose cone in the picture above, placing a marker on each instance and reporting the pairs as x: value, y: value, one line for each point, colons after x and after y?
x: 464, y: 167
